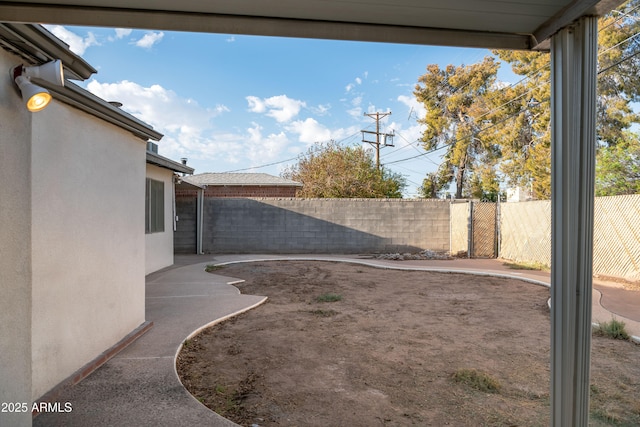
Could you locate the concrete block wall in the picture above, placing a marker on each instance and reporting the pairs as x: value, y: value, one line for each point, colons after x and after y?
x: 292, y: 225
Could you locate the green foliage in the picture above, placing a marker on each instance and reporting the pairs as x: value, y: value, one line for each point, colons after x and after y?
x: 526, y: 138
x: 329, y: 298
x: 432, y: 186
x: 324, y: 313
x: 331, y: 171
x: 618, y: 168
x: 478, y: 380
x: 537, y: 266
x: 495, y: 133
x: 212, y: 267
x: 456, y: 102
x: 613, y: 329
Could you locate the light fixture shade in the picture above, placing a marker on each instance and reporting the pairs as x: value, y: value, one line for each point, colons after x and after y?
x: 51, y: 72
x: 34, y: 97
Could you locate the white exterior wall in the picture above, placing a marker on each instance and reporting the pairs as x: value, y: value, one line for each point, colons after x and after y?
x: 15, y: 247
x: 87, y: 240
x: 159, y: 246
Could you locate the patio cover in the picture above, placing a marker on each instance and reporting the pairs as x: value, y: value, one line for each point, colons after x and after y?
x: 505, y: 24
x: 567, y: 28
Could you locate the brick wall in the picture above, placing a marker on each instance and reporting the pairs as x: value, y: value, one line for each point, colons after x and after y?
x: 242, y: 191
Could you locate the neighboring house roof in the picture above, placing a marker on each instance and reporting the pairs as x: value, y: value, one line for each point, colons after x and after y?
x: 36, y: 45
x: 166, y: 163
x: 241, y: 179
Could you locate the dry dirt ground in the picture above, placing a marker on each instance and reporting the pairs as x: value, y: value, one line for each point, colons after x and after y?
x: 399, y: 348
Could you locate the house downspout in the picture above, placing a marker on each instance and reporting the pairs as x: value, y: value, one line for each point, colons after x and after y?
x: 200, y: 221
x: 173, y: 202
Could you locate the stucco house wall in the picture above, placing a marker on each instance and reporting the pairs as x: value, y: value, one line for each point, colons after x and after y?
x: 159, y: 245
x: 87, y: 242
x: 72, y: 245
x: 15, y: 248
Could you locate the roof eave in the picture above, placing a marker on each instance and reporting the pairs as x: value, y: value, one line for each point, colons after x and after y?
x: 163, y: 162
x: 36, y: 44
x: 84, y: 100
x: 297, y: 184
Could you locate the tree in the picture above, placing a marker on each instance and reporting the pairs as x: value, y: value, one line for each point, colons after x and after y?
x: 618, y: 168
x: 526, y: 138
x: 523, y: 131
x: 331, y: 171
x: 456, y: 101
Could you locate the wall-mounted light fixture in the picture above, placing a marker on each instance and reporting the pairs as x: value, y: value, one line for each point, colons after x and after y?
x: 35, y: 97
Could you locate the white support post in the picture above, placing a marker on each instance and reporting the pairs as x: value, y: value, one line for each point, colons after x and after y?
x: 573, y: 112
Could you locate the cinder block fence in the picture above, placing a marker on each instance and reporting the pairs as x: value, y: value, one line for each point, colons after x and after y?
x: 515, y: 231
x: 294, y: 225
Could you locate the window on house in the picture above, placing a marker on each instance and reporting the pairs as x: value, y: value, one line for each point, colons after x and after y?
x: 154, y: 206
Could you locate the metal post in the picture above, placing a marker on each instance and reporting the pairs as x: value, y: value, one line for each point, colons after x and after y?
x: 470, y: 230
x: 199, y: 221
x: 573, y: 86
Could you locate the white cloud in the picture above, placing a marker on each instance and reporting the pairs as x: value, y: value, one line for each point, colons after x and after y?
x: 190, y: 129
x: 77, y: 44
x: 122, y: 32
x: 357, y: 80
x: 356, y: 111
x: 149, y: 39
x: 255, y: 104
x: 310, y: 131
x: 230, y: 39
x: 186, y: 124
x: 321, y: 109
x: 416, y: 109
x: 281, y: 107
x: 263, y: 149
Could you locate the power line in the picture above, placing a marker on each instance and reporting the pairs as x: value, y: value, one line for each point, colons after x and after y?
x: 291, y: 159
x: 463, y: 137
x: 521, y: 81
x: 626, y: 58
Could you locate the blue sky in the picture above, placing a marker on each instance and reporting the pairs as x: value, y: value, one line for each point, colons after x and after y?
x: 233, y: 102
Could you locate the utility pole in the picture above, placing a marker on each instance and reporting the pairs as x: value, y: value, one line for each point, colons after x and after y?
x: 377, y: 116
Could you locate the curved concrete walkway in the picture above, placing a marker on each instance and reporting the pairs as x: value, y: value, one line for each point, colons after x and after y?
x: 139, y: 386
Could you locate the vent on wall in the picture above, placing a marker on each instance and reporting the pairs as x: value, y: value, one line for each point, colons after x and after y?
x: 152, y: 147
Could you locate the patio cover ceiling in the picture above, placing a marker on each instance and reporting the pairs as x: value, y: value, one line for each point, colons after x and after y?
x: 505, y: 24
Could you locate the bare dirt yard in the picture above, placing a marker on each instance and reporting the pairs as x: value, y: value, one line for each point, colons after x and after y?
x: 348, y: 345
